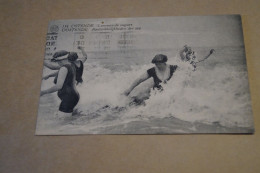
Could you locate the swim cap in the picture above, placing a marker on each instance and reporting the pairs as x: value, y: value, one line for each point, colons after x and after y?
x: 58, y: 56
x: 73, y: 56
x: 60, y: 53
x: 160, y: 58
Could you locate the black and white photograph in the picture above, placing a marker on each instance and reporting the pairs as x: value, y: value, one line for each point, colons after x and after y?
x: 146, y: 75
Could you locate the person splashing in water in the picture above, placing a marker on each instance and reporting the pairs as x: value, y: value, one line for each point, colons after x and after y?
x: 161, y: 73
x: 56, y: 64
x: 65, y: 85
x: 188, y: 55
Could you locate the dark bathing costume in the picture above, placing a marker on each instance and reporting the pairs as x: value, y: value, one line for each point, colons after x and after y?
x: 68, y: 93
x: 79, y: 72
x: 152, y: 73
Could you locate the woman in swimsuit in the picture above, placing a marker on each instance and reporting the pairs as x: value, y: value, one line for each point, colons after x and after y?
x: 56, y: 64
x: 65, y: 84
x: 162, y: 72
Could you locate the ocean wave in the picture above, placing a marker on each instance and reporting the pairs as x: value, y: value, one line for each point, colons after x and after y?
x: 216, y: 93
x: 208, y: 96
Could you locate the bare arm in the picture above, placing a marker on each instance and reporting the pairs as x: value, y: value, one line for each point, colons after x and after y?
x: 141, y: 79
x: 85, y: 56
x: 60, y: 81
x: 207, y: 56
x: 51, y: 65
x: 51, y: 75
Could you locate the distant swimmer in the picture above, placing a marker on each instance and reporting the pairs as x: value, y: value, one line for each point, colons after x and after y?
x: 65, y: 85
x: 188, y: 55
x: 56, y: 64
x: 161, y: 73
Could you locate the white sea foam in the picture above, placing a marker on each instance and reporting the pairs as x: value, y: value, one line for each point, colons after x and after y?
x: 216, y: 95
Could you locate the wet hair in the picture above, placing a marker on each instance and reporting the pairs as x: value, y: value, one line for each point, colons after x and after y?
x: 160, y: 58
x: 73, y: 56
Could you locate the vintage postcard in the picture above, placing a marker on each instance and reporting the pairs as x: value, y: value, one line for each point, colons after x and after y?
x: 154, y: 75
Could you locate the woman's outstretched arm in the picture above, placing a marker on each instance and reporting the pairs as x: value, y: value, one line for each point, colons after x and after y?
x: 51, y: 65
x: 51, y: 75
x: 141, y: 79
x: 207, y: 56
x: 60, y: 81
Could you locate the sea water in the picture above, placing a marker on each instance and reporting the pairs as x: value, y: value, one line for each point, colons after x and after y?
x: 213, y: 99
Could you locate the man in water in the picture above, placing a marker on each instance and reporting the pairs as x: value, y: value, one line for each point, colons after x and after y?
x: 161, y: 73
